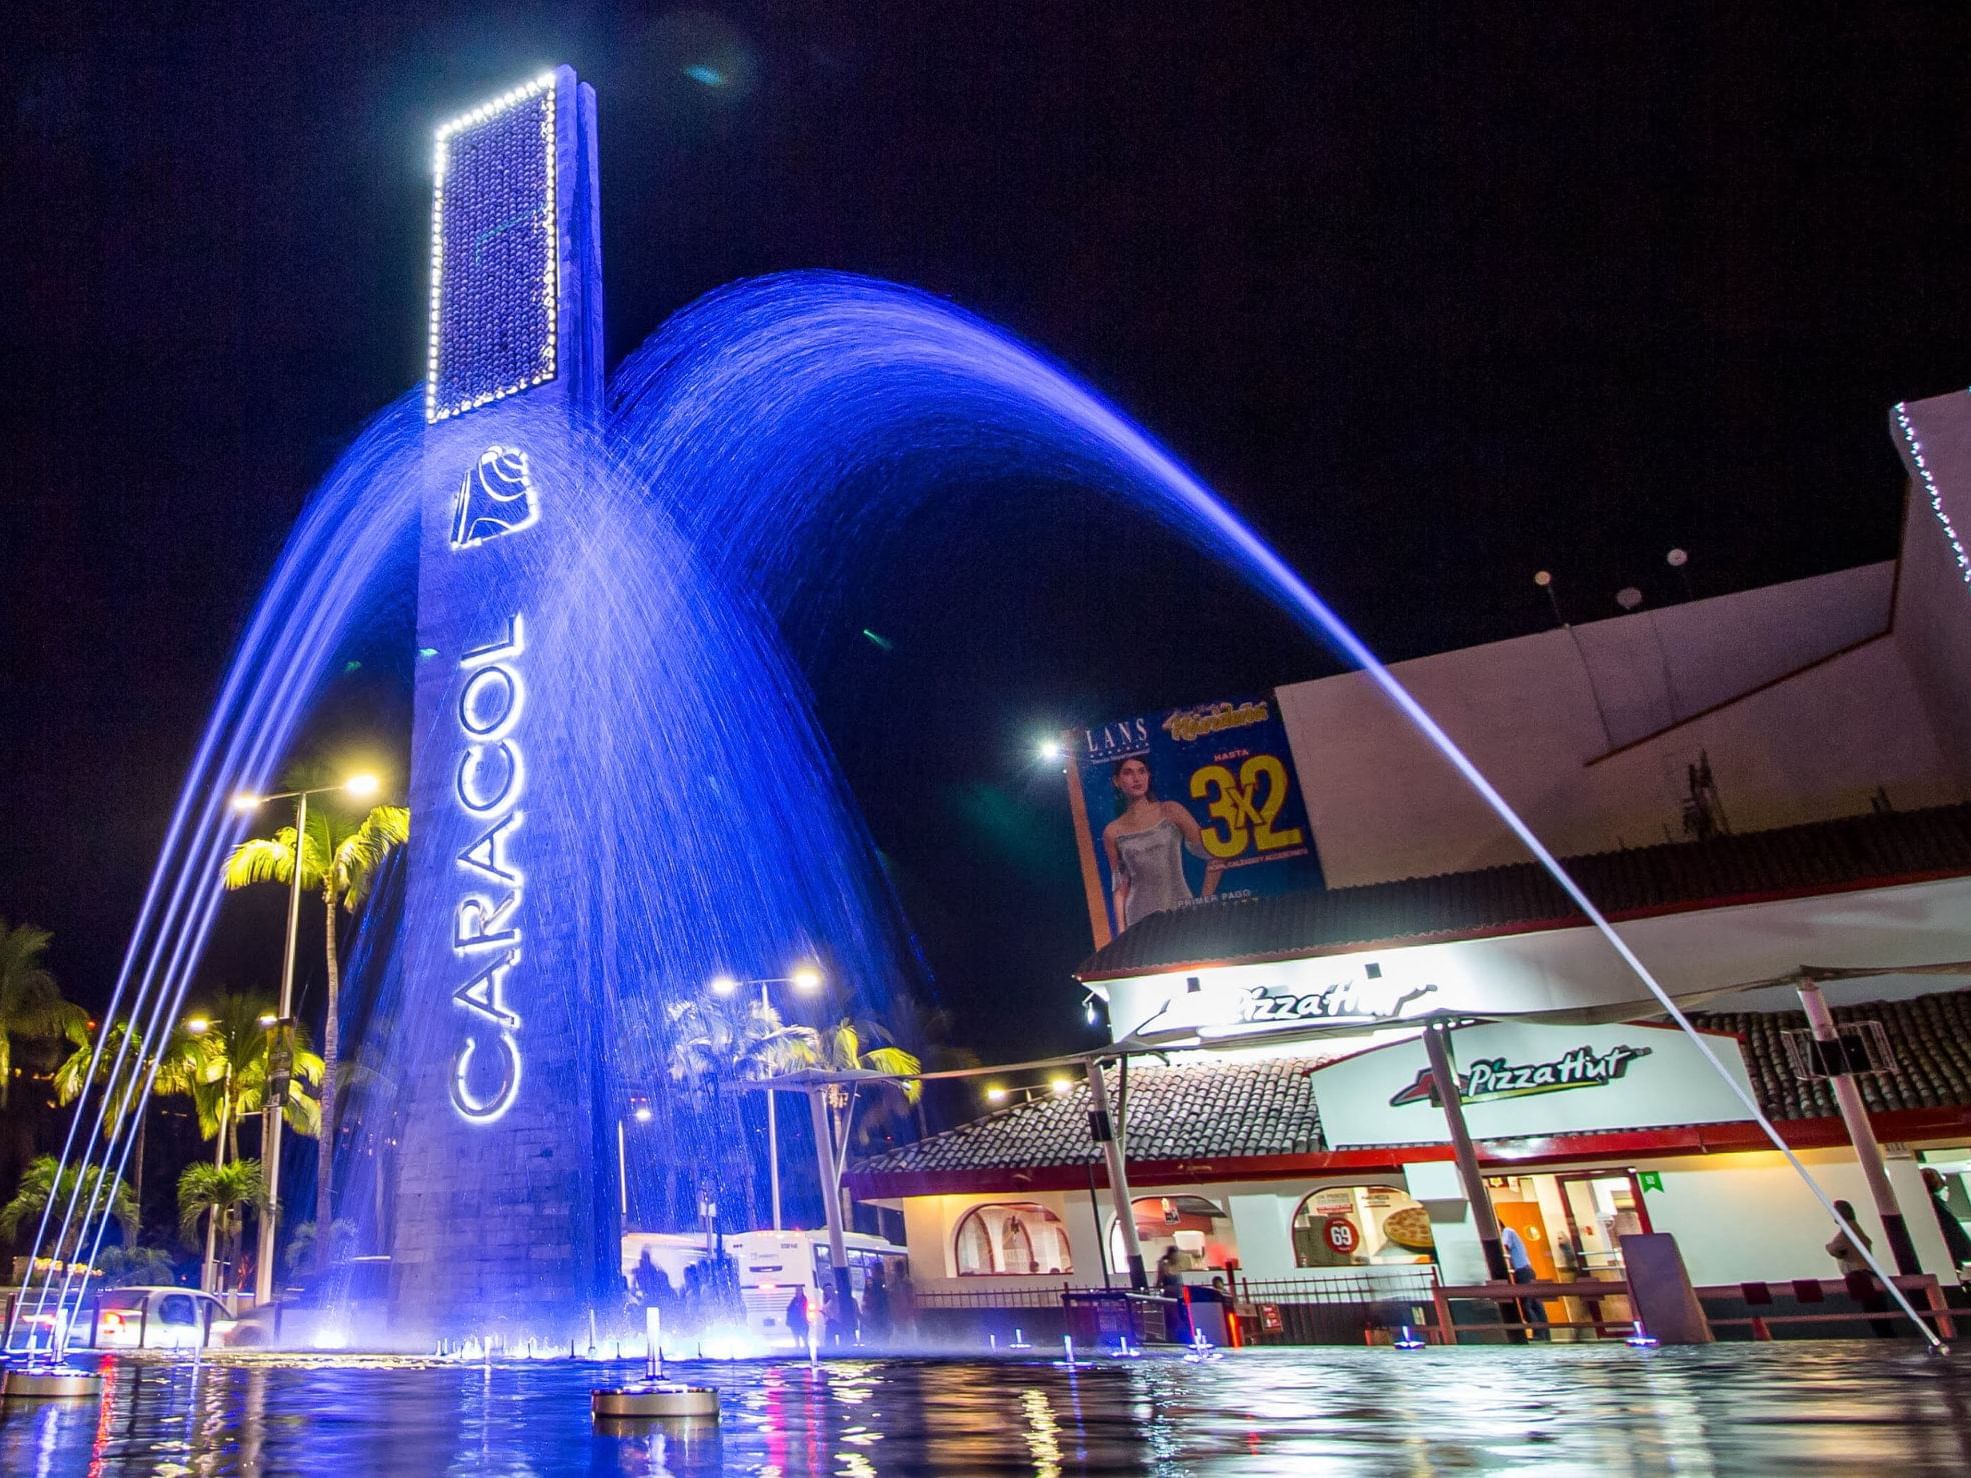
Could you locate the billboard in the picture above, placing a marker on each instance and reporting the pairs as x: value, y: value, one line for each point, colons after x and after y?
x: 1177, y: 806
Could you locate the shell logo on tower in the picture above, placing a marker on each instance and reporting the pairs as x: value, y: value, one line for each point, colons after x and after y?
x: 495, y: 497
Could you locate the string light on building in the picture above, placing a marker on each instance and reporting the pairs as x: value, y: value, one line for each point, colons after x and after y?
x: 1932, y: 492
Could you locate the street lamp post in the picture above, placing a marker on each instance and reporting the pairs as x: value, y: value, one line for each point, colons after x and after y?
x: 281, y: 1051
x: 807, y: 978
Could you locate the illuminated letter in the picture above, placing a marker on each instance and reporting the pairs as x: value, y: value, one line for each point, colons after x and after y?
x: 484, y: 993
x: 484, y: 1111
x: 472, y: 761
x: 494, y: 690
x: 476, y: 917
x: 487, y: 854
x: 513, y: 645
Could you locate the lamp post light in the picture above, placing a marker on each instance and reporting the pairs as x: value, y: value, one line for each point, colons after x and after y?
x: 360, y: 786
x: 641, y: 1111
x: 806, y: 979
x: 999, y: 1093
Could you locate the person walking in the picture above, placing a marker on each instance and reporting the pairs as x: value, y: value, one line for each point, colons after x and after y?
x: 1846, y: 1247
x: 1957, y: 1242
x: 1170, y: 1283
x: 1532, y: 1310
x: 797, y: 1317
x: 876, y: 1305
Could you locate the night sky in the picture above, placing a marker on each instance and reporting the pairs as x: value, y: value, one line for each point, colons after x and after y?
x: 1436, y: 297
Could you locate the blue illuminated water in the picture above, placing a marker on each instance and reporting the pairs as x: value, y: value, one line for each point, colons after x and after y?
x: 1830, y: 1408
x: 752, y: 447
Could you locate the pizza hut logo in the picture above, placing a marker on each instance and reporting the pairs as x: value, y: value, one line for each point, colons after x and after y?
x: 1495, y: 1078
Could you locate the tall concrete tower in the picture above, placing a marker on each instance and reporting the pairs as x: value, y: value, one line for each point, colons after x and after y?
x: 505, y: 1206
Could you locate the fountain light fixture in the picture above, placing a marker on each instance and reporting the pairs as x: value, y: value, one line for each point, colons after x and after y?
x: 642, y: 1113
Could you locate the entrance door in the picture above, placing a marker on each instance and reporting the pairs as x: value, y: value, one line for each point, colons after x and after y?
x: 1525, y: 1219
x: 1601, y: 1210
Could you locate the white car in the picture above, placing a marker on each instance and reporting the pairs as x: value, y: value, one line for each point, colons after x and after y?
x: 159, y: 1318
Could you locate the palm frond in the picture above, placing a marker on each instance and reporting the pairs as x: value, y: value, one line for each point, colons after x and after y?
x: 362, y: 853
x: 263, y: 860
x: 902, y: 1065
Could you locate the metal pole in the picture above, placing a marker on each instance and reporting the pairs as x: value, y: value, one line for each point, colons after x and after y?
x: 1862, y: 1133
x: 263, y: 1273
x: 838, y: 1255
x: 1095, y: 1214
x: 773, y: 1135
x: 622, y: 1174
x: 1483, y: 1219
x: 1110, y: 1135
x: 209, y: 1270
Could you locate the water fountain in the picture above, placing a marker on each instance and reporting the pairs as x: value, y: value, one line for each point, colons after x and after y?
x: 598, y: 573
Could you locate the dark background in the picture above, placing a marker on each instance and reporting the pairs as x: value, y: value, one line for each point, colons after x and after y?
x: 1436, y: 296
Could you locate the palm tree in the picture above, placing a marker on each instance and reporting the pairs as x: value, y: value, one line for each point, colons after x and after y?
x: 843, y: 1048
x: 341, y: 862
x: 31, y: 1006
x: 930, y: 1034
x: 175, y: 1074
x: 218, y: 1193
x: 718, y: 1042
x: 230, y: 1051
x: 46, y: 1178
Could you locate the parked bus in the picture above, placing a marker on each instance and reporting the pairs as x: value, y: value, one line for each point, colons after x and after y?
x: 769, y: 1267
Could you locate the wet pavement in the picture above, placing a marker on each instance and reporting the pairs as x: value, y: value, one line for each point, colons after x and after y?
x: 1836, y: 1407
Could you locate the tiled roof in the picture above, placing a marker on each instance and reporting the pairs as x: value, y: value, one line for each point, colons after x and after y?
x: 1229, y: 1109
x: 1794, y: 860
x: 1193, y: 1111
x: 1930, y: 1038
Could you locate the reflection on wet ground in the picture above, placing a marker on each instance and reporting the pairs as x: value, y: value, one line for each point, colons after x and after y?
x: 1821, y: 1408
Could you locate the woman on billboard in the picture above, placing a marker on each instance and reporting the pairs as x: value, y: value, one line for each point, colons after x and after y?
x: 1146, y: 844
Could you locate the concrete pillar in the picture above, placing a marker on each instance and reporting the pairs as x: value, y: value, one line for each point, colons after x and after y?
x: 1861, y: 1133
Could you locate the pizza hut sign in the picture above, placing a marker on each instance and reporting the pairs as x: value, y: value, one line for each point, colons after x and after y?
x: 1521, y: 1079
x: 1495, y: 1078
x: 1365, y: 999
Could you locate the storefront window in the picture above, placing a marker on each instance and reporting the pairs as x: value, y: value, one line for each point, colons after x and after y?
x: 1011, y: 1237
x: 1353, y: 1225
x: 1200, y: 1230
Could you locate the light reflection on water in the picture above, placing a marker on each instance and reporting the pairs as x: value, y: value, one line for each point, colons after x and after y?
x: 1824, y: 1408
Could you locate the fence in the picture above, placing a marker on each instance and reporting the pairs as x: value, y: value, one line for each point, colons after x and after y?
x: 1371, y: 1304
x: 1334, y: 1310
